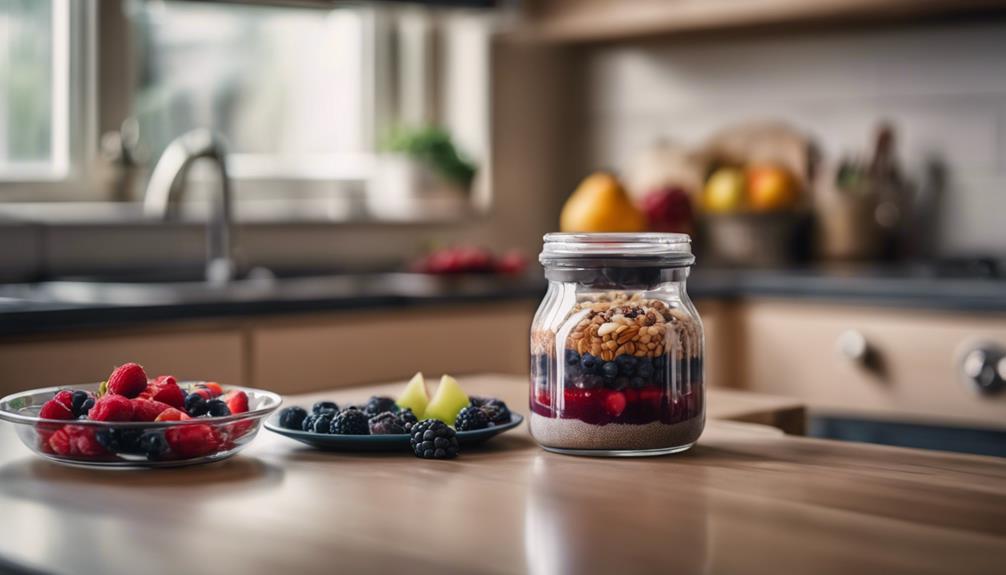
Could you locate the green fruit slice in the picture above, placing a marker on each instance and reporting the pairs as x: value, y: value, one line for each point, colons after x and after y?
x: 415, y: 396
x: 447, y: 402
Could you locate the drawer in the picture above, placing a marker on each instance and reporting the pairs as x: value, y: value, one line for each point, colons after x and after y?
x: 90, y: 357
x: 309, y: 354
x: 912, y: 368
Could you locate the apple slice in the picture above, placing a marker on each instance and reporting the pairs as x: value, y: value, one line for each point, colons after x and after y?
x: 447, y: 402
x: 415, y: 396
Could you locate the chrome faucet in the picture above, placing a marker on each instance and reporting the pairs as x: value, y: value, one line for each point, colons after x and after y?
x: 168, y: 181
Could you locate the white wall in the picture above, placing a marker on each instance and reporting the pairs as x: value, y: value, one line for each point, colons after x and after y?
x: 943, y: 87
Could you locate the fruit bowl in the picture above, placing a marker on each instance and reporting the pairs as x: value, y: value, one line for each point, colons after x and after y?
x: 135, y: 444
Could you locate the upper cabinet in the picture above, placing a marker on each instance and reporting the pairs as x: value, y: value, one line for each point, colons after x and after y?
x: 608, y: 20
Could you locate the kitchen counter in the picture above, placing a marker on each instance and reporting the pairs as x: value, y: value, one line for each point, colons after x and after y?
x: 27, y: 309
x: 746, y: 499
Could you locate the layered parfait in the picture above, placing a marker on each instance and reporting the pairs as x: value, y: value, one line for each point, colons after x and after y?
x: 622, y: 373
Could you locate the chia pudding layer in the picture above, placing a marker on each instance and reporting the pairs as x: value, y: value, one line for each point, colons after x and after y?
x: 576, y: 434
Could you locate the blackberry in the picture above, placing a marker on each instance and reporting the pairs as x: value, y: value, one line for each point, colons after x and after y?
x: 329, y: 407
x: 292, y: 417
x: 433, y: 439
x: 350, y: 422
x: 308, y: 423
x: 386, y: 423
x: 497, y: 411
x: 471, y: 418
x: 322, y: 423
x: 478, y: 401
x: 379, y: 404
x: 195, y: 404
x: 217, y: 408
x: 407, y: 418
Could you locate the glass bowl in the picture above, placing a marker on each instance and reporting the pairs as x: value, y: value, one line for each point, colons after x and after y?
x: 136, y: 444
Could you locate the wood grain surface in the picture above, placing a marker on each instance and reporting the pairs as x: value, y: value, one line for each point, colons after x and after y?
x: 746, y: 499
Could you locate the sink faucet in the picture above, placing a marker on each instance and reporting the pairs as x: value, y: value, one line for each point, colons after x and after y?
x: 168, y: 181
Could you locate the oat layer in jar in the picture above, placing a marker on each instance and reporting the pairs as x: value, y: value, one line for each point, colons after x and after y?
x: 616, y: 347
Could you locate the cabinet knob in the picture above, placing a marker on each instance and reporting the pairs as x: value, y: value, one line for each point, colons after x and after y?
x: 984, y: 368
x: 852, y: 345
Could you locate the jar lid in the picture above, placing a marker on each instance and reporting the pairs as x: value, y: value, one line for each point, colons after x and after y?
x: 616, y: 250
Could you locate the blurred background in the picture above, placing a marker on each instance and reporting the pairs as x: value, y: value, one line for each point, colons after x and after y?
x: 236, y: 190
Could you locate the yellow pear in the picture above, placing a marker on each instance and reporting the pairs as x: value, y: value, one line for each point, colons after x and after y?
x: 600, y: 204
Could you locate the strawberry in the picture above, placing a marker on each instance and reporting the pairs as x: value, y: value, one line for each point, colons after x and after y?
x: 169, y: 392
x: 172, y: 414
x: 237, y: 401
x: 147, y: 409
x: 192, y: 440
x: 215, y: 389
x: 112, y: 407
x: 55, y: 409
x: 128, y: 380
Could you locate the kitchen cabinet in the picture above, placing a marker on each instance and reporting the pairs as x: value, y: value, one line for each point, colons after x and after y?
x: 607, y: 20
x: 188, y: 351
x: 880, y: 361
x: 301, y: 354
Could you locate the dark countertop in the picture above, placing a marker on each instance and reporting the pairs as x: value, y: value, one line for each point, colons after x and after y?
x: 114, y: 304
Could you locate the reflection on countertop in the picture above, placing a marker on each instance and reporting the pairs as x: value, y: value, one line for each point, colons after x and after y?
x: 161, y: 295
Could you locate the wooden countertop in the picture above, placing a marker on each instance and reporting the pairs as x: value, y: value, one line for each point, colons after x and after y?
x: 746, y: 499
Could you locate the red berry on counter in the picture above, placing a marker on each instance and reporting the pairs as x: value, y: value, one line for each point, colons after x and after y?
x: 147, y: 409
x: 172, y: 414
x: 237, y: 401
x: 54, y: 409
x: 112, y: 407
x: 192, y: 440
x: 128, y: 380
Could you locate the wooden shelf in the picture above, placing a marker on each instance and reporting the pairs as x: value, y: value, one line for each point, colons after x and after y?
x: 610, y: 20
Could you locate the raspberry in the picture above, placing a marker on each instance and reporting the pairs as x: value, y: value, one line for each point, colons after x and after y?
x: 112, y: 408
x: 54, y: 409
x: 147, y: 409
x: 237, y: 401
x: 214, y: 388
x: 128, y: 380
x: 75, y: 440
x: 192, y: 440
x: 65, y: 397
x: 60, y: 444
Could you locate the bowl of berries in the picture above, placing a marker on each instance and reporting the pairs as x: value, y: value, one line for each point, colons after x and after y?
x: 436, y: 427
x: 132, y: 421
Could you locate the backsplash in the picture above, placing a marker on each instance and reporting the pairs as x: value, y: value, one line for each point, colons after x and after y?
x: 943, y: 87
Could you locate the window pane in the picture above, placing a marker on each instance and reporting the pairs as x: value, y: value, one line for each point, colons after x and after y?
x: 26, y: 83
x: 281, y: 82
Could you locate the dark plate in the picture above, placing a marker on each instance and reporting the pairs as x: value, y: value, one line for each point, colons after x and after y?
x: 383, y: 442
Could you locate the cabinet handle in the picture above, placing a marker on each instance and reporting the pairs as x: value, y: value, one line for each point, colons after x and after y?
x: 852, y: 345
x: 984, y: 368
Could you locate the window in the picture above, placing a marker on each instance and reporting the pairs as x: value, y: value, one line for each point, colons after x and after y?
x: 33, y: 65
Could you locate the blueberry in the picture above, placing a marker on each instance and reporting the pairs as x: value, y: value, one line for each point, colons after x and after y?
x: 618, y: 383
x: 626, y: 364
x: 195, y: 404
x: 573, y: 370
x: 645, y: 369
x: 120, y: 440
x: 572, y: 358
x: 329, y: 407
x: 590, y: 382
x: 292, y: 417
x: 85, y: 408
x: 322, y: 424
x: 153, y: 444
x: 588, y: 362
x: 78, y: 398
x: 609, y: 369
x: 217, y: 408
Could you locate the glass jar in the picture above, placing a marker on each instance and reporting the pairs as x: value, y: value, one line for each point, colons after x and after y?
x: 616, y: 347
